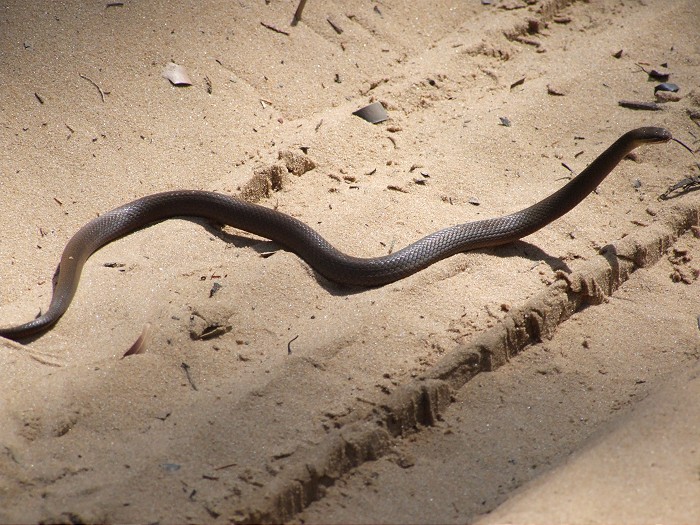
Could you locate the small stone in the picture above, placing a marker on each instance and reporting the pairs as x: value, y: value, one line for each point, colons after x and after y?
x: 667, y: 96
x: 406, y: 461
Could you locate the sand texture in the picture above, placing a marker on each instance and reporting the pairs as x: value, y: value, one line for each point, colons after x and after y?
x: 551, y: 380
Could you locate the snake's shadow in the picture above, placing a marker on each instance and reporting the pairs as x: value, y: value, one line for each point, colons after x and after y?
x: 681, y: 192
x: 526, y: 250
x: 267, y: 248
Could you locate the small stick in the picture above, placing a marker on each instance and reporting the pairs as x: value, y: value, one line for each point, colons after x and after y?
x: 226, y: 466
x: 273, y: 28
x: 102, y: 93
x: 335, y: 26
x: 632, y: 104
x: 297, y: 13
x: 186, y: 368
x: 568, y: 168
x: 289, y: 344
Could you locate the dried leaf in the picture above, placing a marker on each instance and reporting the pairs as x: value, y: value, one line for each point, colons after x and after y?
x: 139, y: 347
x: 176, y: 74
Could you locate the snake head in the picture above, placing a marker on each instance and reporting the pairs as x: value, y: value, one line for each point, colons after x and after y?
x: 650, y: 135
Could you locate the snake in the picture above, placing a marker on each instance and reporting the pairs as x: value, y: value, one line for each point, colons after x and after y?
x: 308, y: 244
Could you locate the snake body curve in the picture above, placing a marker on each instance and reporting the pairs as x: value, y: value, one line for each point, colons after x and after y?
x: 309, y: 245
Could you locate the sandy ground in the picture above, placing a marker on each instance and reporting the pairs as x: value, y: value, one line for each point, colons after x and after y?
x: 285, y: 409
x: 635, y: 462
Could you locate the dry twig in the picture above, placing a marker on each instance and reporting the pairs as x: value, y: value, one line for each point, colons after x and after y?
x: 297, y: 13
x: 102, y: 93
x: 273, y: 28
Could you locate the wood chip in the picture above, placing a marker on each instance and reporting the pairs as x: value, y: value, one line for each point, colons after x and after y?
x: 631, y: 104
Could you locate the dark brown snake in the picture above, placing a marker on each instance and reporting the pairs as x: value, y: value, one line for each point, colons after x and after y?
x: 309, y: 245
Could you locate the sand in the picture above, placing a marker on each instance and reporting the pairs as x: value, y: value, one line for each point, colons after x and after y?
x: 315, y: 402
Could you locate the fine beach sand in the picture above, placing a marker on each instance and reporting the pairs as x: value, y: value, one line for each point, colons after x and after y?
x: 258, y: 420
